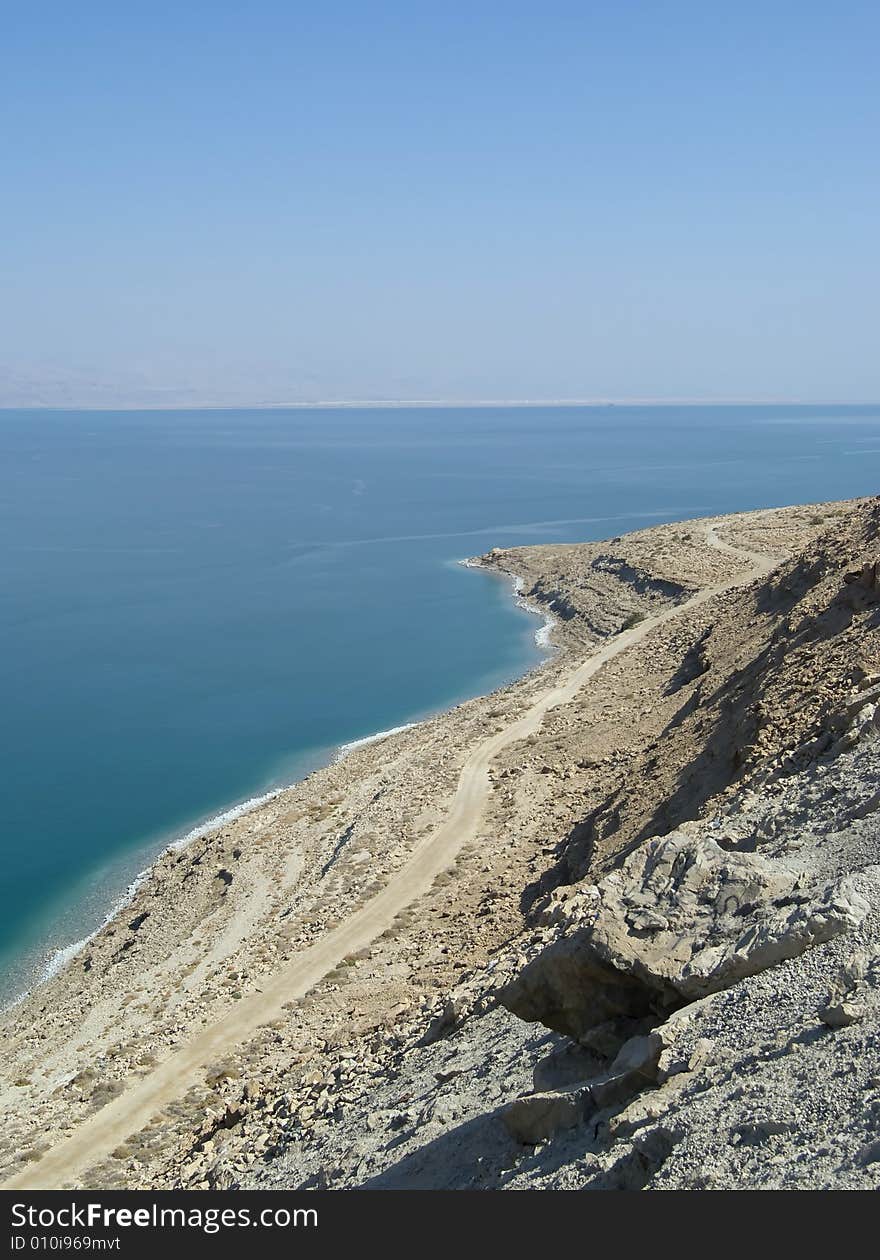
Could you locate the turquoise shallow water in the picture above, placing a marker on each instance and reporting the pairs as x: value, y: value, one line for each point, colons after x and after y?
x: 196, y: 606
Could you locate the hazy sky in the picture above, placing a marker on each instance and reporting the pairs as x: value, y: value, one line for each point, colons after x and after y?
x: 263, y: 202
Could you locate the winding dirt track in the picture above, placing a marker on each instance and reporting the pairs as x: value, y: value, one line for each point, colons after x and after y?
x: 98, y: 1136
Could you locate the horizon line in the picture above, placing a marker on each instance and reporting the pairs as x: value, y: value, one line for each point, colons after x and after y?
x: 367, y: 404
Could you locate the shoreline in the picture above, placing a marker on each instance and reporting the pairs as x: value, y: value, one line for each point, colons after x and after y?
x: 55, y: 959
x: 348, y: 905
x: 543, y: 636
x: 53, y: 963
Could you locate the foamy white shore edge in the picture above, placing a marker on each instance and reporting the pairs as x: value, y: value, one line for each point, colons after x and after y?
x: 345, y: 749
x: 228, y: 815
x: 543, y: 635
x: 59, y: 958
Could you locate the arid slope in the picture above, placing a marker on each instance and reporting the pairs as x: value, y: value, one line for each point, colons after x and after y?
x: 694, y: 693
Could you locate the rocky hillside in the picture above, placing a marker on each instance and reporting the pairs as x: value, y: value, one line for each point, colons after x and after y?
x: 653, y: 962
x: 695, y: 998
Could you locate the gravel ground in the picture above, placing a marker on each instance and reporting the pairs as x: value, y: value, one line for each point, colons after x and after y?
x: 780, y: 1100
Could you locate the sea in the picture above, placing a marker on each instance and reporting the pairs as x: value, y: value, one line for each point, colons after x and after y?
x: 199, y: 607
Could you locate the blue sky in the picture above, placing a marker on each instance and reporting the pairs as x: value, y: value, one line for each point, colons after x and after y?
x: 270, y: 202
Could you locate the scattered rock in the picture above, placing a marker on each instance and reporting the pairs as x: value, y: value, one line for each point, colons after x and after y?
x: 537, y: 1117
x: 444, y: 1023
x: 847, y: 1001
x: 682, y: 918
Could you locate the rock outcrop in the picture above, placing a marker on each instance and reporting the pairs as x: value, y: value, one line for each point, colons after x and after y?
x: 863, y: 585
x: 669, y: 886
x: 682, y: 918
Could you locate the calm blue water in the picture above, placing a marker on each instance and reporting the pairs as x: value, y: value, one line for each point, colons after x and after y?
x: 198, y: 605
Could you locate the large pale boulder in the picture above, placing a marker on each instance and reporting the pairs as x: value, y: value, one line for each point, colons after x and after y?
x: 537, y: 1117
x: 680, y: 919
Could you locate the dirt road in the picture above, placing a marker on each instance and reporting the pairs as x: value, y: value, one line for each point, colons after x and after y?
x: 97, y: 1137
